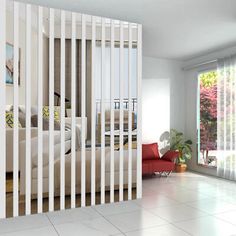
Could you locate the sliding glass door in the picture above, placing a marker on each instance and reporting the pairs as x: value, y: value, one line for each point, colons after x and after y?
x: 217, y: 118
x: 207, y: 118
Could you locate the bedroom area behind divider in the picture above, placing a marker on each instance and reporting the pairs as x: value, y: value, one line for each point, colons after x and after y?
x: 70, y: 109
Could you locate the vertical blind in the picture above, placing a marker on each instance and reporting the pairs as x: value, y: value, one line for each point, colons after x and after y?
x: 226, y: 118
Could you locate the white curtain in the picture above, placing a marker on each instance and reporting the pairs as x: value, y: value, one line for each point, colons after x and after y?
x: 226, y: 118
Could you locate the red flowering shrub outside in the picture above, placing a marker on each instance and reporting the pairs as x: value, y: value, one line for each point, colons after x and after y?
x: 208, y: 114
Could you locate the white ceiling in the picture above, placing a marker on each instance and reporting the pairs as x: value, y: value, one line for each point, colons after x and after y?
x: 176, y: 29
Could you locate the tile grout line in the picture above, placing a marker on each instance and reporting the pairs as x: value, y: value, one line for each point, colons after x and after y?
x: 141, y: 208
x: 208, y: 213
x: 180, y: 229
x: 215, y: 216
x: 153, y: 227
x: 171, y: 223
x: 108, y: 220
x: 27, y: 228
x: 52, y: 225
x: 198, y: 217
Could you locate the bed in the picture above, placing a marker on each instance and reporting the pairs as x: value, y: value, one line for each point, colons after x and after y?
x: 34, y: 169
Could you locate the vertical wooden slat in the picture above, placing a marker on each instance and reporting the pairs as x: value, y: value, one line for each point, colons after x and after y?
x: 2, y: 109
x: 16, y: 113
x: 103, y: 115
x: 83, y: 109
x: 73, y: 102
x: 93, y: 114
x: 139, y: 113
x: 112, y: 115
x: 40, y: 107
x: 51, y: 109
x: 130, y: 114
x: 121, y: 176
x: 28, y: 111
x: 73, y: 108
x: 62, y: 89
x: 234, y: 115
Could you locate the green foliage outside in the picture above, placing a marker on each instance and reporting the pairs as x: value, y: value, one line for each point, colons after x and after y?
x: 208, y: 79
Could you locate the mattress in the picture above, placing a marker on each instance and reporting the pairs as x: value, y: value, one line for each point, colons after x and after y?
x: 88, y: 161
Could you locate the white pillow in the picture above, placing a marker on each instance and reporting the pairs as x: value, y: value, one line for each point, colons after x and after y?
x: 57, y: 148
x: 57, y: 153
x: 8, y: 107
x: 34, y: 110
x: 57, y: 136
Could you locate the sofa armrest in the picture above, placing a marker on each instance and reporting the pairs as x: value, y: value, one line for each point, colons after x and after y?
x: 170, y: 156
x: 10, y: 144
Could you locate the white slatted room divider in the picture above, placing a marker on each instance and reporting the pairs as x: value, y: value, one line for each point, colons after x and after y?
x: 52, y: 60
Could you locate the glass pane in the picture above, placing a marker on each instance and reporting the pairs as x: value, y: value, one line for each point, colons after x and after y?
x: 207, y: 118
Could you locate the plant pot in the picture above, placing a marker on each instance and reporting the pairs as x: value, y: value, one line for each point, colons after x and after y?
x: 180, y: 168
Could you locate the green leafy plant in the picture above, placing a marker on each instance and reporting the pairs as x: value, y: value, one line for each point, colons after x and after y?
x: 178, y: 143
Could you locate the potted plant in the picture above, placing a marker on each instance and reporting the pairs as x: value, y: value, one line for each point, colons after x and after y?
x: 178, y: 143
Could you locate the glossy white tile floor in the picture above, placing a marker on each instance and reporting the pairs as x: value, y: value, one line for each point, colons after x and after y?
x: 180, y: 205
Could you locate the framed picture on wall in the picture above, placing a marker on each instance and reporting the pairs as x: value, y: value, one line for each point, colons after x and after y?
x: 10, y: 64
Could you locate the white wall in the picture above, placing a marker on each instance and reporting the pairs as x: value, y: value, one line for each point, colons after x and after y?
x: 155, y: 99
x: 161, y: 69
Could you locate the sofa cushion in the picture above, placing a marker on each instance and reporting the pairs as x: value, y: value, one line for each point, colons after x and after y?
x: 170, y: 155
x: 150, y: 151
x: 10, y: 120
x: 46, y: 113
x: 34, y: 122
x: 152, y: 166
x: 21, y: 114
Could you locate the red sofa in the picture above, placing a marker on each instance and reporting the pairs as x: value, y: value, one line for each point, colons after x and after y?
x: 152, y: 162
